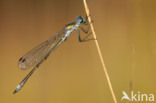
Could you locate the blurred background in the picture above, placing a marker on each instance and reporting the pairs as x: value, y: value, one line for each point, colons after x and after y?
x: 73, y: 73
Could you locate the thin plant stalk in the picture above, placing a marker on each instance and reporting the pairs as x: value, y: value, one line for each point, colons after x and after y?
x: 99, y: 51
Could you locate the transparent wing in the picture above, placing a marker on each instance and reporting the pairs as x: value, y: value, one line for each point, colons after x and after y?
x: 38, y: 53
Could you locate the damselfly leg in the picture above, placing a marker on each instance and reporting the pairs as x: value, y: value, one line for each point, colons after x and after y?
x: 86, y: 31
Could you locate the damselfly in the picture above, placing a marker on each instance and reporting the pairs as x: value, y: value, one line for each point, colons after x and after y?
x: 40, y: 53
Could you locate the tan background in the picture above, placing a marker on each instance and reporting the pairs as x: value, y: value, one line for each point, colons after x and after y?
x: 73, y: 73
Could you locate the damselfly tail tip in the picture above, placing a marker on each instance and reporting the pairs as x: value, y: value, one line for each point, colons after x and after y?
x: 14, y: 92
x: 17, y: 89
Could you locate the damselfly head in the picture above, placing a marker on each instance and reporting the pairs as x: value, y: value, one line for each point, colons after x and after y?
x: 80, y: 19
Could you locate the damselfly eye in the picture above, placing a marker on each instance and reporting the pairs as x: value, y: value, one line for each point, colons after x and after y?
x: 80, y: 19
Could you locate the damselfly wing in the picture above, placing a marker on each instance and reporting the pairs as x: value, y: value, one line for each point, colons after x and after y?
x: 38, y: 53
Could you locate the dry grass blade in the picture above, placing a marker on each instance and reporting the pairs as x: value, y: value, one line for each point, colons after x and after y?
x: 99, y: 52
